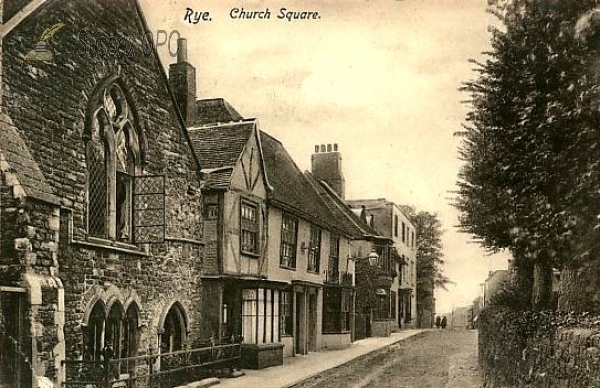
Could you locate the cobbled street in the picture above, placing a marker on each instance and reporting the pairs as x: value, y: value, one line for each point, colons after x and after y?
x: 438, y: 358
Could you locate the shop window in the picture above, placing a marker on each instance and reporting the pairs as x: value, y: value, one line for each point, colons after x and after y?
x: 337, y: 310
x: 346, y: 311
x: 382, y: 305
x: 287, y: 311
x: 260, y: 316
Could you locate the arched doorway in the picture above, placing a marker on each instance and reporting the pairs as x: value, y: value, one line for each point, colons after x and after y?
x: 173, y: 330
x: 95, y: 332
x: 130, y: 331
x: 114, y: 329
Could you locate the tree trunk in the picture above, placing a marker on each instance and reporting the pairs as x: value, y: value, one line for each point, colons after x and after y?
x: 579, y: 288
x: 541, y: 295
x: 521, y: 280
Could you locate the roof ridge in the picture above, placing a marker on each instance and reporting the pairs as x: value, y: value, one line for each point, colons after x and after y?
x: 220, y: 125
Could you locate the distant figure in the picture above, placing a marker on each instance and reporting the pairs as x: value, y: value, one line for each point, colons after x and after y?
x: 444, y: 322
x: 438, y: 321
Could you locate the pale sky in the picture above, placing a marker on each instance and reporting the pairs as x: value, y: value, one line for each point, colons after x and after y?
x: 378, y: 77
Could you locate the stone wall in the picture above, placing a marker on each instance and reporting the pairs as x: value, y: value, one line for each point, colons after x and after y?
x: 530, y: 350
x: 45, y: 246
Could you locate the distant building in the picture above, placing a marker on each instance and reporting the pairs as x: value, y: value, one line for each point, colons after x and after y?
x: 459, y: 317
x: 476, y: 307
x: 377, y: 262
x: 494, y: 283
x: 388, y: 219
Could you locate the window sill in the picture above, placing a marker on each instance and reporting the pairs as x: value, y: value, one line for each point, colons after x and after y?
x: 285, y: 267
x: 111, y: 246
x: 313, y: 272
x: 251, y: 254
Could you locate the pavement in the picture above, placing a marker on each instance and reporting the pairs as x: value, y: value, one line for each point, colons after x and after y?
x: 299, y: 368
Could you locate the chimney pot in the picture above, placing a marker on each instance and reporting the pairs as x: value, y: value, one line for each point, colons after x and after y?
x: 335, y: 147
x: 328, y: 147
x: 182, y: 50
x: 317, y: 149
x: 322, y: 147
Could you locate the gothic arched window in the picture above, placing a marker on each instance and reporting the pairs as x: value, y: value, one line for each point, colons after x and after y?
x: 113, y: 157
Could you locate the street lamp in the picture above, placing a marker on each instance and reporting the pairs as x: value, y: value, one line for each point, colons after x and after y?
x: 373, y: 258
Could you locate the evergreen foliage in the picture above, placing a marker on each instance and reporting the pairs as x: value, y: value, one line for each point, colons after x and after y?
x: 531, y: 145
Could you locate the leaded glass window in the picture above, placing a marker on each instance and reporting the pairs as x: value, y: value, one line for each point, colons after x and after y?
x: 113, y: 158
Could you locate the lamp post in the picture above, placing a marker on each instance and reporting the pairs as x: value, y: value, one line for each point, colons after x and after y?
x: 373, y: 258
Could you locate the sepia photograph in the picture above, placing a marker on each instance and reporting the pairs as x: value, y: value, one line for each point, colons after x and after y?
x: 299, y: 194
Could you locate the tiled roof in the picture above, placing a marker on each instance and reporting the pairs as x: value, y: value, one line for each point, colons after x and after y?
x: 344, y: 216
x: 291, y: 188
x: 219, y: 179
x: 368, y: 203
x: 220, y: 147
x: 20, y: 161
x: 215, y: 110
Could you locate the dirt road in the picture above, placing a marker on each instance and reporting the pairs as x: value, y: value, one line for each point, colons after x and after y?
x: 439, y: 358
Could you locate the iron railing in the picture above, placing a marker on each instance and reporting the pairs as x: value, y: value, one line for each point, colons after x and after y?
x: 164, y: 370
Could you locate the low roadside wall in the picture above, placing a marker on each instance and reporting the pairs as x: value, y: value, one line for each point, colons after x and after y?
x: 527, y: 349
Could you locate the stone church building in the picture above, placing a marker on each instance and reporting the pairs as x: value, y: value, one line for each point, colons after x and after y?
x: 100, y: 203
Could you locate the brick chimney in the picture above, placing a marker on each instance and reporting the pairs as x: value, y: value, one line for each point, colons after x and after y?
x: 182, y: 80
x: 327, y: 166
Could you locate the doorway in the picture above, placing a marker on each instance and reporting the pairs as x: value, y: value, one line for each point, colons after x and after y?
x: 14, y: 368
x: 312, y: 322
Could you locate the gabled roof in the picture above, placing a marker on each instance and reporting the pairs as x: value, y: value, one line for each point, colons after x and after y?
x: 378, y: 203
x: 343, y: 214
x: 219, y: 147
x: 291, y: 190
x: 373, y: 203
x: 17, y: 159
x: 215, y: 110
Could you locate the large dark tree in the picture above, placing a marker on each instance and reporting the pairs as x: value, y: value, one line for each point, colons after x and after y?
x: 531, y: 146
x: 430, y: 255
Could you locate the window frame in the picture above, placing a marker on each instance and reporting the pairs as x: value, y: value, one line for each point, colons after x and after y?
x: 333, y: 263
x: 313, y: 262
x: 250, y: 226
x: 115, y: 147
x: 337, y: 310
x: 404, y: 232
x: 288, y: 262
x: 261, y: 315
x: 286, y: 311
